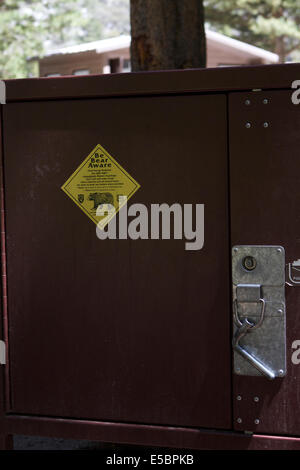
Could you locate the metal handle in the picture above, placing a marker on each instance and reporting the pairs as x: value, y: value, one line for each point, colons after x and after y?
x: 259, y: 336
x: 241, y: 332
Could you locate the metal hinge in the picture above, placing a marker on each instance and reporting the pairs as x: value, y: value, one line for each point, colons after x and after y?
x: 2, y: 353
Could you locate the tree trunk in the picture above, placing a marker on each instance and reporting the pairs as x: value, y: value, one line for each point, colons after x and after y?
x: 280, y: 49
x: 167, y: 34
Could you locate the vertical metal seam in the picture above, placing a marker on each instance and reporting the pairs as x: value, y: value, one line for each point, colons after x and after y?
x: 4, y: 311
x: 229, y: 255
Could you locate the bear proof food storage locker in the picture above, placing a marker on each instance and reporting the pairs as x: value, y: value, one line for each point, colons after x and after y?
x: 137, y: 339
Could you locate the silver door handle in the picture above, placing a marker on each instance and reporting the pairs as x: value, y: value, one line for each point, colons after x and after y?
x: 240, y: 333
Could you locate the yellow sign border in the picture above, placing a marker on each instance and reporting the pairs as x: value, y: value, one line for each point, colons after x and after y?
x: 101, y: 149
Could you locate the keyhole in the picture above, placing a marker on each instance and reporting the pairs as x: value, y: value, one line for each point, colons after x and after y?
x: 249, y: 263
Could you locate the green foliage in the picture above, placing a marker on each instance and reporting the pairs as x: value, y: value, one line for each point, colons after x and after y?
x: 113, y: 15
x: 29, y: 27
x: 271, y: 24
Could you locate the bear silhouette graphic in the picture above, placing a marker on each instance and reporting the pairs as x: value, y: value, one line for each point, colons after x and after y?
x: 101, y: 198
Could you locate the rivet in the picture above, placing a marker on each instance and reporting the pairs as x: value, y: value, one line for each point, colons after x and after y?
x: 256, y: 421
x: 235, y: 250
x: 266, y: 124
x: 265, y: 101
x: 278, y: 250
x: 280, y: 310
x: 280, y: 372
x: 239, y: 420
x: 247, y: 102
x: 256, y: 399
x: 248, y: 125
x: 239, y: 397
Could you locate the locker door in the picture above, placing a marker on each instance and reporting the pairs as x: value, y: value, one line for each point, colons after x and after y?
x: 265, y: 169
x: 123, y: 330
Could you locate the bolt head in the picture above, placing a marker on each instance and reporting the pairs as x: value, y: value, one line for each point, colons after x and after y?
x: 266, y: 124
x: 239, y: 420
x: 248, y: 125
x: 280, y: 310
x: 256, y: 421
x: 265, y: 101
x: 256, y: 399
x: 247, y: 102
x: 280, y: 372
x: 239, y: 397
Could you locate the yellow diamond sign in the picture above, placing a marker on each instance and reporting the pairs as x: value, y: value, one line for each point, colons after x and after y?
x: 100, y: 182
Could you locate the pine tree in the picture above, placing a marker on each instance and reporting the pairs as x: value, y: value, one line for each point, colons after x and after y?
x: 26, y: 26
x: 271, y: 24
x: 30, y: 27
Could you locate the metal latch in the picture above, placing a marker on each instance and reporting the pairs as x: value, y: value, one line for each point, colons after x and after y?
x: 293, y: 273
x: 2, y: 353
x: 259, y: 336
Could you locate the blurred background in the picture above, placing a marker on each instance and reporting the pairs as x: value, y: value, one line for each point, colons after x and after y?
x: 79, y: 37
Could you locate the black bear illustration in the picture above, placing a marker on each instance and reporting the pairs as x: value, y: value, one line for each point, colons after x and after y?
x: 101, y: 198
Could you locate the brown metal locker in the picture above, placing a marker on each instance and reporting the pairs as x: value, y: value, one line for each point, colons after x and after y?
x: 130, y: 341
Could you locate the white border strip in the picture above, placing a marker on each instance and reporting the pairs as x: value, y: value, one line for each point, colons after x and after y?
x: 2, y: 353
x: 2, y: 92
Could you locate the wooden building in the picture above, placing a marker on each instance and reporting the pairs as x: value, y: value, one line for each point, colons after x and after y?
x: 113, y: 55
